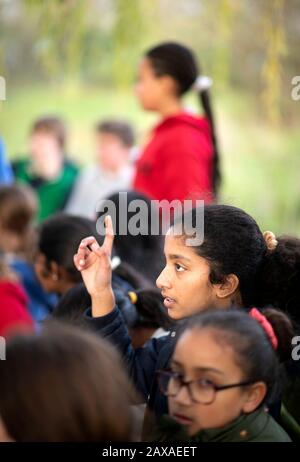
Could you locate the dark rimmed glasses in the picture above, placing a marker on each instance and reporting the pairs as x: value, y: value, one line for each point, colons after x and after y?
x: 200, y: 391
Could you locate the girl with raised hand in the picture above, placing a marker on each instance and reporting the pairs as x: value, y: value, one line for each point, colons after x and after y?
x: 228, y: 268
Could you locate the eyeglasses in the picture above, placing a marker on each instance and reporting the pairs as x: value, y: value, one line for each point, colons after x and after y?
x: 200, y: 391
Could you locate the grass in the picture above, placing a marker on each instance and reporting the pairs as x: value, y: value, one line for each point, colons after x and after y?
x: 261, y: 164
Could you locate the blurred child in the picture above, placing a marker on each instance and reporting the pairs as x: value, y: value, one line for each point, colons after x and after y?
x: 54, y: 266
x: 111, y: 172
x: 58, y: 239
x: 144, y: 314
x: 14, y: 315
x: 222, y: 372
x: 46, y: 169
x: 181, y: 159
x: 18, y: 207
x: 63, y: 385
x: 144, y: 251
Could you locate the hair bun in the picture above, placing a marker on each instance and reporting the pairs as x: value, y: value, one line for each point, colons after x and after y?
x: 270, y: 240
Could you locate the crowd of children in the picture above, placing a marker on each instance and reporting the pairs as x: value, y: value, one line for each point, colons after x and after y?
x: 122, y: 336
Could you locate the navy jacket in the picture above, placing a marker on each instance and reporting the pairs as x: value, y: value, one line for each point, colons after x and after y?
x: 142, y: 362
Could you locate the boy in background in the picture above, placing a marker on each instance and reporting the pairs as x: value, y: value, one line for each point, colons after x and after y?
x: 46, y: 170
x: 111, y: 172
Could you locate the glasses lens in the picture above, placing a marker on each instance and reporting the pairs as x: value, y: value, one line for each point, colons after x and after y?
x: 202, y: 391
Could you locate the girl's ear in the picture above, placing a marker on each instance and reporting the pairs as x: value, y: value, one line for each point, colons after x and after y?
x: 169, y: 84
x: 228, y: 286
x: 254, y: 397
x: 58, y: 274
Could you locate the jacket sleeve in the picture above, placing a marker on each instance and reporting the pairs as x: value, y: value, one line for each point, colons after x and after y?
x: 142, y: 361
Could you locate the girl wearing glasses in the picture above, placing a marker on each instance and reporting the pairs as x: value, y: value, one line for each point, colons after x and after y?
x: 223, y: 370
x: 236, y: 265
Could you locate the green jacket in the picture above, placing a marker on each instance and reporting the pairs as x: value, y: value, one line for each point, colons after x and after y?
x: 52, y: 195
x: 258, y: 426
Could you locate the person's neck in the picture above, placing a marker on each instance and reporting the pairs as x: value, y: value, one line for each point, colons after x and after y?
x: 170, y: 108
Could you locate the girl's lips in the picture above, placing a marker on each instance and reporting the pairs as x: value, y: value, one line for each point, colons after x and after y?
x: 168, y: 302
x: 183, y: 420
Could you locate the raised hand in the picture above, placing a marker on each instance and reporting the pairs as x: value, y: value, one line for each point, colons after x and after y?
x: 93, y: 261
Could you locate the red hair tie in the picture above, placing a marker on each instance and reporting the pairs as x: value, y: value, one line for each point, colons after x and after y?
x: 266, y: 325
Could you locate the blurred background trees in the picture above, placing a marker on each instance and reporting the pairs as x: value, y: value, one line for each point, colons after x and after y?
x: 249, y: 44
x: 78, y: 58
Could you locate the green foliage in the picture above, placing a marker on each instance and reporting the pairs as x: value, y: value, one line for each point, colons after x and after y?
x: 78, y: 59
x: 126, y: 36
x: 249, y: 44
x: 60, y: 28
x: 275, y: 50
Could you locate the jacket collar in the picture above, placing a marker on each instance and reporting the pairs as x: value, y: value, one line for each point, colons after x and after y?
x: 245, y: 428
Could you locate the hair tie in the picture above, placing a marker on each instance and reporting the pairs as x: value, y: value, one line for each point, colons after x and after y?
x: 266, y: 325
x: 115, y: 262
x: 202, y: 83
x: 270, y: 240
x: 133, y: 297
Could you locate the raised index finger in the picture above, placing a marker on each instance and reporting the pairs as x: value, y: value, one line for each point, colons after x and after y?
x: 109, y: 235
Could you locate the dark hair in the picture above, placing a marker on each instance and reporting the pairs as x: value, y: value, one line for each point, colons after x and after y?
x: 252, y: 348
x: 53, y: 126
x: 59, y: 238
x: 72, y: 305
x: 278, y: 279
x: 148, y: 311
x: 143, y: 252
x: 179, y: 62
x: 151, y: 310
x: 18, y: 206
x: 118, y: 128
x: 52, y: 388
x: 234, y: 244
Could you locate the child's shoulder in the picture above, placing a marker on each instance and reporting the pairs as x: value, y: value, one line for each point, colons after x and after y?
x: 260, y: 426
x: 21, y: 166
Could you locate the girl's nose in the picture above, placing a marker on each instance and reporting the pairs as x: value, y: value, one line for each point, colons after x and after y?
x: 163, y: 281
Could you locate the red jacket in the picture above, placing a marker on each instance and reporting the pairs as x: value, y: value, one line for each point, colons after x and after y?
x: 13, y: 309
x: 177, y: 163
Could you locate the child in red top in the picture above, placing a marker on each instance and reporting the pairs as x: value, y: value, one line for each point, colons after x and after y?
x: 13, y: 304
x: 181, y: 159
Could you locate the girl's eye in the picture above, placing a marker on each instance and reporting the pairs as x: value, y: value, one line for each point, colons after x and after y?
x: 179, y: 268
x: 206, y: 382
